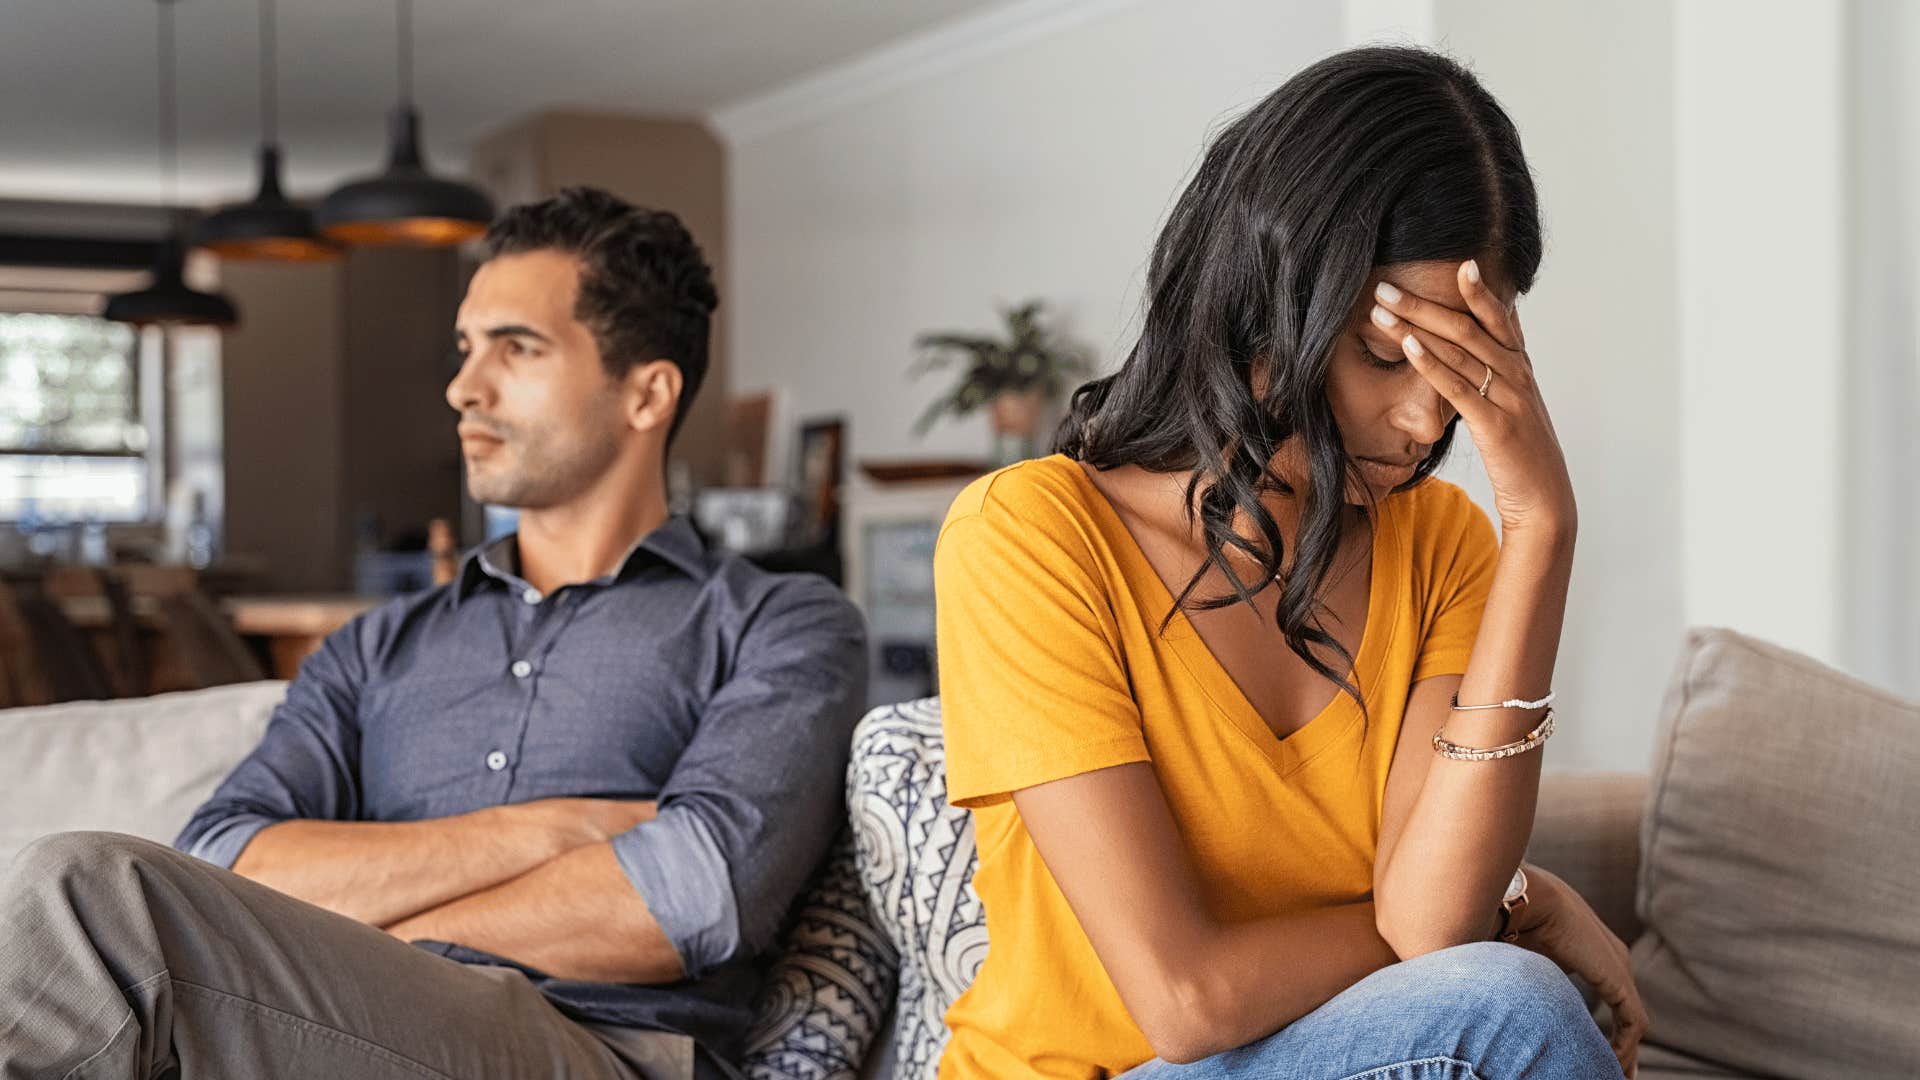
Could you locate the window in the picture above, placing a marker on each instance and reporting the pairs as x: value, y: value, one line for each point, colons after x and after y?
x: 73, y: 442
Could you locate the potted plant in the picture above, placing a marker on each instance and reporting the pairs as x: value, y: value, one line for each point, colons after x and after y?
x: 1015, y: 377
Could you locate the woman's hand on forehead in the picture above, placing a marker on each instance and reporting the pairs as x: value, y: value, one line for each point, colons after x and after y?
x: 1477, y: 359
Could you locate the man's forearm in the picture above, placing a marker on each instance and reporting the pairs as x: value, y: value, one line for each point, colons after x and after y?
x: 575, y: 917
x: 381, y: 872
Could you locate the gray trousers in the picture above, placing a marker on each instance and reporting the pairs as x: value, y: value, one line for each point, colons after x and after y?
x: 124, y: 958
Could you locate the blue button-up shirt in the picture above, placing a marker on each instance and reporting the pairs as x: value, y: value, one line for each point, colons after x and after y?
x: 687, y: 676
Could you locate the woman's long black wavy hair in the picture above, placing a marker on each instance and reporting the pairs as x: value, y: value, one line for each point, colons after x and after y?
x: 1371, y: 157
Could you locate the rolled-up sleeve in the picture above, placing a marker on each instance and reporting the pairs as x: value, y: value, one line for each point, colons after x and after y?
x: 754, y: 801
x: 304, y: 766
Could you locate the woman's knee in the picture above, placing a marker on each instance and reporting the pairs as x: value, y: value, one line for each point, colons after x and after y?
x: 1500, y: 978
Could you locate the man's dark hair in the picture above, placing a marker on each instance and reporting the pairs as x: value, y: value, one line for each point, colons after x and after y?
x: 646, y: 292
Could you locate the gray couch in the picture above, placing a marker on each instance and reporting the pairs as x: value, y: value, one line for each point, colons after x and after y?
x: 1766, y: 871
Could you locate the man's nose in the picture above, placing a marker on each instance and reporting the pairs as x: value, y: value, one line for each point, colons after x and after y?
x: 466, y: 390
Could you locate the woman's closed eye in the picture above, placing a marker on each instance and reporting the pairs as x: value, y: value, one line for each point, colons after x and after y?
x: 1388, y: 363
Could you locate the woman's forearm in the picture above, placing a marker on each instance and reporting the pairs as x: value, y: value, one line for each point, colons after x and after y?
x: 1248, y: 980
x: 1470, y: 823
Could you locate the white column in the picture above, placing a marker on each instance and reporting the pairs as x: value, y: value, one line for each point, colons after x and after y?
x: 1881, y: 637
x: 1761, y: 121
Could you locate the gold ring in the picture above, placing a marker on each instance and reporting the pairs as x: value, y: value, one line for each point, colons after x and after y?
x: 1488, y: 381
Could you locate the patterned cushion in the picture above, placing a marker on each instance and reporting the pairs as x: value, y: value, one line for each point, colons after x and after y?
x: 916, y: 866
x: 830, y: 986
x: 897, y: 884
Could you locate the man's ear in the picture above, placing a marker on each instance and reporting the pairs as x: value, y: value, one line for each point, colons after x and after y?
x: 653, y: 395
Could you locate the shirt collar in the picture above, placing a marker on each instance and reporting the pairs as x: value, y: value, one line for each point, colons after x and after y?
x: 676, y: 542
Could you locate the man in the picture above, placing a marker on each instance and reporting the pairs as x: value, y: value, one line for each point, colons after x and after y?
x: 587, y: 778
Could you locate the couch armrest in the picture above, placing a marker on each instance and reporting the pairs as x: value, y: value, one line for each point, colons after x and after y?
x: 1586, y: 829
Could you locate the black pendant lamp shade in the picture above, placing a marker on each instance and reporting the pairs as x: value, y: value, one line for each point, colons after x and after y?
x: 405, y: 204
x: 170, y: 301
x: 268, y: 227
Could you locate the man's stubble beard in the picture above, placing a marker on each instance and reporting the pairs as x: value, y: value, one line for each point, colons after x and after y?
x: 540, y: 474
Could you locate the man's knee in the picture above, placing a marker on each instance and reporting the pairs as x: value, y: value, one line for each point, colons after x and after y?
x: 73, y: 862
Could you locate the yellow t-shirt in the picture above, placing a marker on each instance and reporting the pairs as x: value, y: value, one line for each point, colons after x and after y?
x: 1051, y: 665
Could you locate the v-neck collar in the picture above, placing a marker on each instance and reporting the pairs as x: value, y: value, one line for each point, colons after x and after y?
x: 1339, y: 715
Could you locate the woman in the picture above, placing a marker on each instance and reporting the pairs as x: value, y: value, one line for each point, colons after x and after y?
x: 1192, y: 666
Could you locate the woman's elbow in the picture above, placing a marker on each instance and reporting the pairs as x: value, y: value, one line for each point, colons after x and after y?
x: 1183, y: 1022
x: 1417, y: 937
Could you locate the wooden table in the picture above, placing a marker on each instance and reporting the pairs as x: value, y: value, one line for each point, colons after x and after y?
x: 291, y: 627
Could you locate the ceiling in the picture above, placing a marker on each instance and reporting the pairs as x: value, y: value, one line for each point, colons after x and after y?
x: 78, y: 78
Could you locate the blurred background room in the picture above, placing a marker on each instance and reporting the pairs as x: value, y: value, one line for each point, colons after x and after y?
x: 222, y: 430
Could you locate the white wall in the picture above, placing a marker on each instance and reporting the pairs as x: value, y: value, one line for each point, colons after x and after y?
x: 1038, y: 169
x: 1590, y: 87
x: 867, y: 209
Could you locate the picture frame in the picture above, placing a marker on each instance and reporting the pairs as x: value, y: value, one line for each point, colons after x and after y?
x: 820, y: 473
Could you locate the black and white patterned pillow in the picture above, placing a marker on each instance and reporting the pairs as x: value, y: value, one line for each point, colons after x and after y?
x: 830, y: 987
x: 893, y: 906
x: 916, y: 862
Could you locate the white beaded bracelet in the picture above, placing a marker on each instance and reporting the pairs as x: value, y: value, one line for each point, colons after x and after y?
x: 1510, y: 703
x: 1532, y: 740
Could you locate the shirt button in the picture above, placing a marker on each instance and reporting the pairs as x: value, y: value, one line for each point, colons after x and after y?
x: 531, y: 596
x: 522, y: 669
x: 496, y: 761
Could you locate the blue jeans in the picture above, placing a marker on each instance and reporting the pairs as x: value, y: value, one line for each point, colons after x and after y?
x: 1483, y: 1011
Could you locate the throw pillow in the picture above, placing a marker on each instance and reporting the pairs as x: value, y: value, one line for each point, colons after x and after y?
x: 916, y: 862
x: 1780, y: 873
x: 830, y: 985
x: 140, y: 766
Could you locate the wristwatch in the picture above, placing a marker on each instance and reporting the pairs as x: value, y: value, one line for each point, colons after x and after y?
x: 1516, y: 896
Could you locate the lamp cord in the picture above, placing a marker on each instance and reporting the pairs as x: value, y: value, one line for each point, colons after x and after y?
x: 269, y: 88
x: 406, y: 52
x: 169, y: 153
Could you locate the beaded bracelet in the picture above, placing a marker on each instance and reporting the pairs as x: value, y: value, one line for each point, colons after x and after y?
x: 1530, y: 741
x: 1510, y: 703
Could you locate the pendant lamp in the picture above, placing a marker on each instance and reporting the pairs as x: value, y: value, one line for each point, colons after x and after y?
x: 406, y: 205
x: 269, y: 226
x: 169, y: 300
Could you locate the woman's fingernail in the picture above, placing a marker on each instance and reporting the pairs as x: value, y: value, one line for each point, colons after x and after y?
x: 1384, y: 317
x: 1473, y: 271
x: 1387, y: 293
x: 1413, y: 346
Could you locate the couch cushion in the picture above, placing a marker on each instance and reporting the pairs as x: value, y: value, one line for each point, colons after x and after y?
x: 1586, y: 829
x: 1780, y: 874
x: 1660, y: 1063
x: 140, y: 766
x: 916, y: 863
